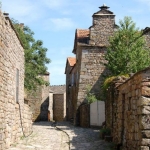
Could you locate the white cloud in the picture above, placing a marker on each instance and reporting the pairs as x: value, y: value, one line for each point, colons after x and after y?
x: 58, y: 24
x: 135, y: 11
x: 58, y: 64
x: 145, y: 1
x: 57, y: 75
x: 25, y: 11
x: 55, y: 4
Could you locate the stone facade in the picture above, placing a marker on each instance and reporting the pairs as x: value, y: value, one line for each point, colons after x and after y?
x: 90, y: 47
x: 91, y: 70
x: 146, y: 34
x: 59, y: 107
x: 50, y: 108
x: 57, y: 103
x: 39, y: 101
x: 85, y: 115
x: 103, y: 27
x: 128, y: 112
x: 15, y: 115
x: 70, y: 89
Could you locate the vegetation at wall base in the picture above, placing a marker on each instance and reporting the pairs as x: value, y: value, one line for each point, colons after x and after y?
x: 112, y: 146
x: 108, y: 81
x: 35, y: 57
x: 104, y: 132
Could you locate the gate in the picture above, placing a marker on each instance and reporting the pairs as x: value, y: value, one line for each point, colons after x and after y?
x: 97, y: 113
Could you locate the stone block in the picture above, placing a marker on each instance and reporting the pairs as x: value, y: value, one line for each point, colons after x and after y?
x: 145, y: 142
x: 143, y: 101
x: 144, y: 148
x: 146, y: 134
x: 145, y: 122
x: 146, y: 110
x: 145, y: 91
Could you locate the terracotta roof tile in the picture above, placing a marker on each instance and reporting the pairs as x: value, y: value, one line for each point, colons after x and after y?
x: 71, y: 61
x: 82, y: 35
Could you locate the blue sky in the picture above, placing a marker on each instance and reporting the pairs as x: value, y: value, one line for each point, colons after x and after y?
x: 54, y: 22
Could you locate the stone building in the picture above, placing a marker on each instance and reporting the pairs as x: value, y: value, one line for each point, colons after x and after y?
x: 70, y: 72
x: 90, y: 46
x: 39, y: 101
x: 15, y: 115
x: 128, y: 111
x: 57, y: 103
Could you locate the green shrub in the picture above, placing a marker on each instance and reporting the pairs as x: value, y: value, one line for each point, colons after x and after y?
x: 90, y: 97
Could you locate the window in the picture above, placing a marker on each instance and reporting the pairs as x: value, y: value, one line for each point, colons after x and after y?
x: 17, y: 85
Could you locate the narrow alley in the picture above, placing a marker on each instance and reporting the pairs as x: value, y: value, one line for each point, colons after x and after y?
x: 64, y: 136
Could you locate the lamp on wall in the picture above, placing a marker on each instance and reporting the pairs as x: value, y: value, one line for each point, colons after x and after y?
x: 69, y: 86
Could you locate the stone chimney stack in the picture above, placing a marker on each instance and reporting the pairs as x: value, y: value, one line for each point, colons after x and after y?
x: 103, y: 27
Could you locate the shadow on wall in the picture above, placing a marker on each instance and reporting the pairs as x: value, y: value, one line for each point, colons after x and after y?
x: 83, y: 119
x: 97, y: 87
x: 43, y: 116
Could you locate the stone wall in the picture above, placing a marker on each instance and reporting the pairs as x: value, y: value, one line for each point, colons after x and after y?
x: 84, y: 111
x: 130, y: 112
x: 146, y: 35
x: 39, y: 101
x: 27, y: 122
x: 59, y: 107
x: 102, y: 28
x: 15, y: 116
x: 92, y: 71
x: 50, y: 106
x: 90, y: 56
x: 69, y: 114
x: 34, y: 101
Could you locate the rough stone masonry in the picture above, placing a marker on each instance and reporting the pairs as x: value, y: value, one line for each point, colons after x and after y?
x: 15, y: 116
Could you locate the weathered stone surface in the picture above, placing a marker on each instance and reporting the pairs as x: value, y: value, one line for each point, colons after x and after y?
x: 129, y: 110
x: 145, y: 121
x: 146, y: 91
x: 146, y: 142
x: 59, y: 105
x: 39, y: 101
x: 146, y: 134
x: 15, y: 116
x: 144, y: 148
x: 143, y: 101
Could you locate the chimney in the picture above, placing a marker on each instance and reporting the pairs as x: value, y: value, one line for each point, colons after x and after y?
x: 103, y: 26
x: 6, y: 15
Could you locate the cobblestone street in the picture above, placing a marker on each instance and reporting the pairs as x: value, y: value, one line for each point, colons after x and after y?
x: 64, y: 137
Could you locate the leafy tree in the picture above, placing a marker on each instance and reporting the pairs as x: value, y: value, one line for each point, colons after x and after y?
x: 35, y: 57
x: 127, y: 52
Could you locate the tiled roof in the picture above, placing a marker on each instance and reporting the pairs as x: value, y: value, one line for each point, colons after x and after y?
x: 71, y: 61
x: 58, y: 89
x: 82, y: 35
